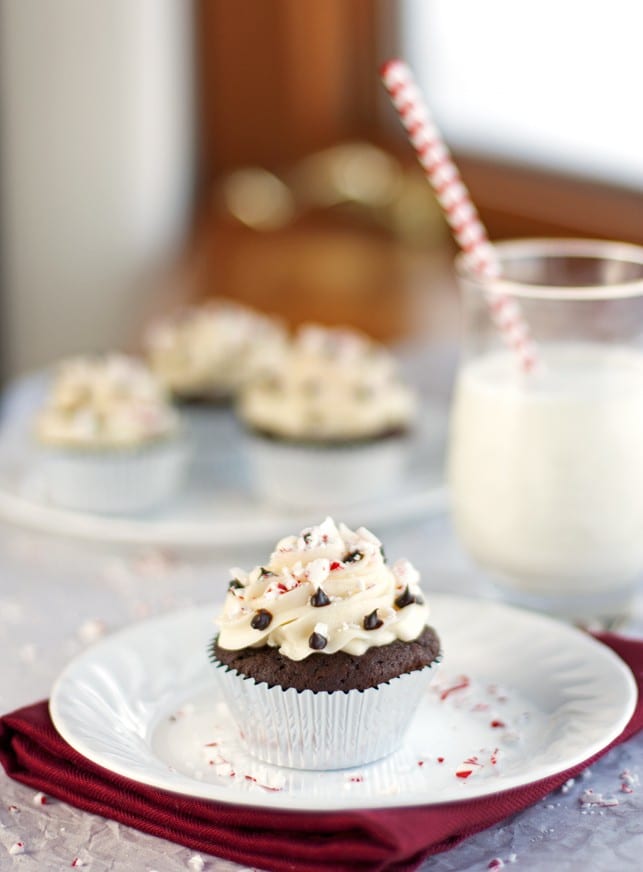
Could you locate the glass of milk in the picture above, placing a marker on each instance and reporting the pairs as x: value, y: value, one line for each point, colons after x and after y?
x: 546, y: 468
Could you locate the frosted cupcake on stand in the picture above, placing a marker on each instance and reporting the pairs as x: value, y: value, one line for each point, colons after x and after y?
x: 207, y: 353
x: 110, y: 441
x: 330, y: 425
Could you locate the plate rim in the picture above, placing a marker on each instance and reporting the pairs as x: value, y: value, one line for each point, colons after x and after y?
x: 198, y: 535
x: 208, y: 534
x: 286, y: 802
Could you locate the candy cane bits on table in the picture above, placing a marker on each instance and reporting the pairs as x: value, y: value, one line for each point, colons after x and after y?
x: 455, y: 200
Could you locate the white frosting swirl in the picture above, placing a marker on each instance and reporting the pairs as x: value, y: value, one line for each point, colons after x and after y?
x: 213, y: 349
x: 345, y: 567
x: 105, y: 402
x: 332, y: 384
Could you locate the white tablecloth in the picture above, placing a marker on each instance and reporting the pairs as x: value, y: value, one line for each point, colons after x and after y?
x: 57, y: 596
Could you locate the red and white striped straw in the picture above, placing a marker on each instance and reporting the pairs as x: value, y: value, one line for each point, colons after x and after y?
x: 455, y: 200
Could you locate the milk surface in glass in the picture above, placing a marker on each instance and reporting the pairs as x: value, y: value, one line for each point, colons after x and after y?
x: 546, y: 471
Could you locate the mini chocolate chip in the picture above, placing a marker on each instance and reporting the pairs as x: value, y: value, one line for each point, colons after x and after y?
x: 405, y: 598
x: 353, y: 557
x: 307, y: 537
x: 383, y: 553
x: 317, y: 641
x: 261, y: 620
x: 372, y: 622
x: 319, y: 598
x: 264, y: 572
x: 235, y: 584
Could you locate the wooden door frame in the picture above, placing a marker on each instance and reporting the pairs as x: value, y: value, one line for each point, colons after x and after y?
x: 279, y: 78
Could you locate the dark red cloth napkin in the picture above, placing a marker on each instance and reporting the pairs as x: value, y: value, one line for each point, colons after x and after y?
x: 32, y: 752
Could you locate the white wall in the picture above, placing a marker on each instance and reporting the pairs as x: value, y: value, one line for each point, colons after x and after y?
x: 96, y: 146
x: 552, y: 82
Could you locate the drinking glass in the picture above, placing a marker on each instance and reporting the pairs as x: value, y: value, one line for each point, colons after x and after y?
x: 546, y: 467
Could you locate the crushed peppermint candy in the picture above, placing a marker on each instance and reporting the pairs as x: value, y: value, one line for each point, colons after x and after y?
x: 17, y: 848
x: 496, y: 863
x: 462, y: 683
x: 196, y: 862
x: 628, y: 781
x: 27, y: 653
x: 76, y: 862
x: 274, y: 590
x: 223, y: 767
x: 473, y: 764
x: 406, y: 575
x: 318, y: 571
x: 91, y: 630
x: 154, y: 562
x: 590, y: 799
x: 40, y: 799
x: 316, y: 537
x: 473, y: 761
x: 498, y: 693
x: 567, y: 786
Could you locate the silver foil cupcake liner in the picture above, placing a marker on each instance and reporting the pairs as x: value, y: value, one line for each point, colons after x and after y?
x: 117, y: 481
x: 321, y: 730
x: 310, y: 476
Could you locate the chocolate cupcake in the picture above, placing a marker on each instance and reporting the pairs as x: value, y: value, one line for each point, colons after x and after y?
x: 205, y: 354
x: 323, y: 652
x: 109, y: 440
x: 330, y: 424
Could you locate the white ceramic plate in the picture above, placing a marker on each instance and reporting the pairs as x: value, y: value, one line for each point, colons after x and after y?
x: 519, y: 697
x: 216, y: 508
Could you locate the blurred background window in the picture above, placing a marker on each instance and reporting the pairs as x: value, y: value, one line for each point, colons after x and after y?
x: 154, y: 152
x: 554, y: 85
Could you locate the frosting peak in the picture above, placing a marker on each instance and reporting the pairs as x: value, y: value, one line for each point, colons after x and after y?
x: 213, y: 349
x: 327, y: 589
x: 331, y: 384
